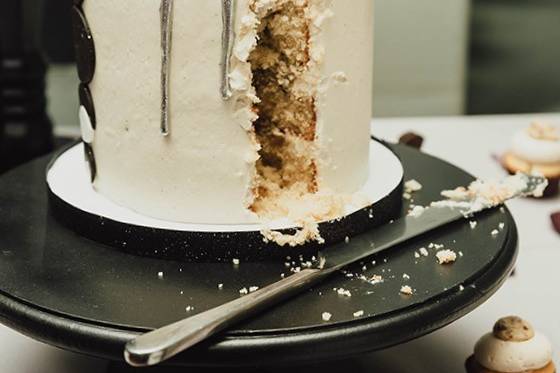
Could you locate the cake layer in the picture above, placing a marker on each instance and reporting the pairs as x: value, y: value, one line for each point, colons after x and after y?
x: 205, y: 169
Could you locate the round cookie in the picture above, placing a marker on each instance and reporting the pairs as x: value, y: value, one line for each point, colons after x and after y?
x: 536, y: 149
x: 513, y: 164
x: 514, y: 329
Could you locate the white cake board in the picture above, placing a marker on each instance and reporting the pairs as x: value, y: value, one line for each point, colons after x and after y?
x: 69, y: 179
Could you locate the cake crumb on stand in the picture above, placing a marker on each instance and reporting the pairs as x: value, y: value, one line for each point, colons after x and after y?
x: 406, y: 290
x: 359, y: 313
x: 446, y: 257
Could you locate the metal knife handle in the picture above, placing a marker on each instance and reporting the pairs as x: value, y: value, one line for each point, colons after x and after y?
x: 161, y: 344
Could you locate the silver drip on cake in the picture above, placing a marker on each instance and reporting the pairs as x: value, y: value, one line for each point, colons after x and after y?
x: 228, y: 37
x: 166, y: 12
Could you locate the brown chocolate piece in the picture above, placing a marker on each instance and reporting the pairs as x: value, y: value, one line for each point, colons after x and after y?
x: 412, y: 139
x: 90, y: 159
x: 552, y: 189
x: 513, y: 329
x: 87, y: 102
x: 555, y: 218
x: 83, y: 43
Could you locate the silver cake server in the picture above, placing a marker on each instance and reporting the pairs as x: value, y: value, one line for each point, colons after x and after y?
x: 161, y: 344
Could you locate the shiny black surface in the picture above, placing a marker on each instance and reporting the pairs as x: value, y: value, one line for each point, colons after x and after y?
x: 80, y: 295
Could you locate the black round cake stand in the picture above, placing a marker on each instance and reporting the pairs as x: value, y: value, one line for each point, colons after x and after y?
x: 77, y: 294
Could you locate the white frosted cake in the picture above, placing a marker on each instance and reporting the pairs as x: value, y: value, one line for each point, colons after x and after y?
x: 227, y: 112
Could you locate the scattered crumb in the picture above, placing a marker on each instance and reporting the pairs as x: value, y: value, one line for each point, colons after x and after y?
x: 160, y: 275
x: 495, y: 232
x: 407, y: 196
x: 358, y: 313
x: 252, y: 289
x: 189, y: 308
x: 473, y: 224
x: 343, y: 292
x: 416, y: 255
x: 461, y: 288
x: 461, y: 254
x: 424, y: 251
x: 236, y: 262
x: 412, y: 186
x: 446, y: 256
x: 501, y: 226
x: 405, y: 276
x: 375, y: 279
x: 326, y: 316
x: 296, y: 270
x: 406, y: 290
x: 416, y: 211
x: 347, y: 239
x: 220, y: 286
x: 244, y: 291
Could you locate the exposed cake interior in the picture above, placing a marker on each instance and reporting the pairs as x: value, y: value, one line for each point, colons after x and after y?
x: 286, y: 124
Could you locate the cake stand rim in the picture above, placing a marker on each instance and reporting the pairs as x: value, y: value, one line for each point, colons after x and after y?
x: 55, y: 327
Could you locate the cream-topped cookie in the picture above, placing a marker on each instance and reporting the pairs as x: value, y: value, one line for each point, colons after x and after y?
x: 536, y: 149
x: 512, y: 347
x: 539, y: 143
x: 511, y: 357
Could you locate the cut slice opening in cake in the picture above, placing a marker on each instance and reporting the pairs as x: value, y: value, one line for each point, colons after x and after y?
x: 286, y: 126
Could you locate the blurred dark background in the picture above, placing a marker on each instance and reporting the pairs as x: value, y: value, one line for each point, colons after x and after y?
x: 514, y: 59
x: 433, y: 57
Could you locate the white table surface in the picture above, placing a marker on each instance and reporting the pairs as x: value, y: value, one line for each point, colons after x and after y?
x: 467, y: 142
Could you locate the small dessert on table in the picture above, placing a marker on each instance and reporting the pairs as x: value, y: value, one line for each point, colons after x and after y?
x: 536, y: 149
x: 512, y: 347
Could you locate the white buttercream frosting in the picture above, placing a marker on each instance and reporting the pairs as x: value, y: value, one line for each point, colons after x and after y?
x: 204, y: 171
x: 512, y: 357
x: 535, y: 150
x: 480, y: 195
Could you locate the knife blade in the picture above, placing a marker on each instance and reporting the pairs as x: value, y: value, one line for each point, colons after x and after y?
x: 161, y: 344
x: 387, y: 236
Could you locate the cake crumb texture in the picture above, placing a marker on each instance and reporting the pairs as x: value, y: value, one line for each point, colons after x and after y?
x: 285, y: 82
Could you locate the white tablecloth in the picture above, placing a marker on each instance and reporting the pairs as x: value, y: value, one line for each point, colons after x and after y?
x: 467, y: 142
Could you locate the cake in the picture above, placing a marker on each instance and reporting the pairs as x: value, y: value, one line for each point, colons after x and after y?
x: 512, y: 347
x: 536, y: 149
x: 227, y: 112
